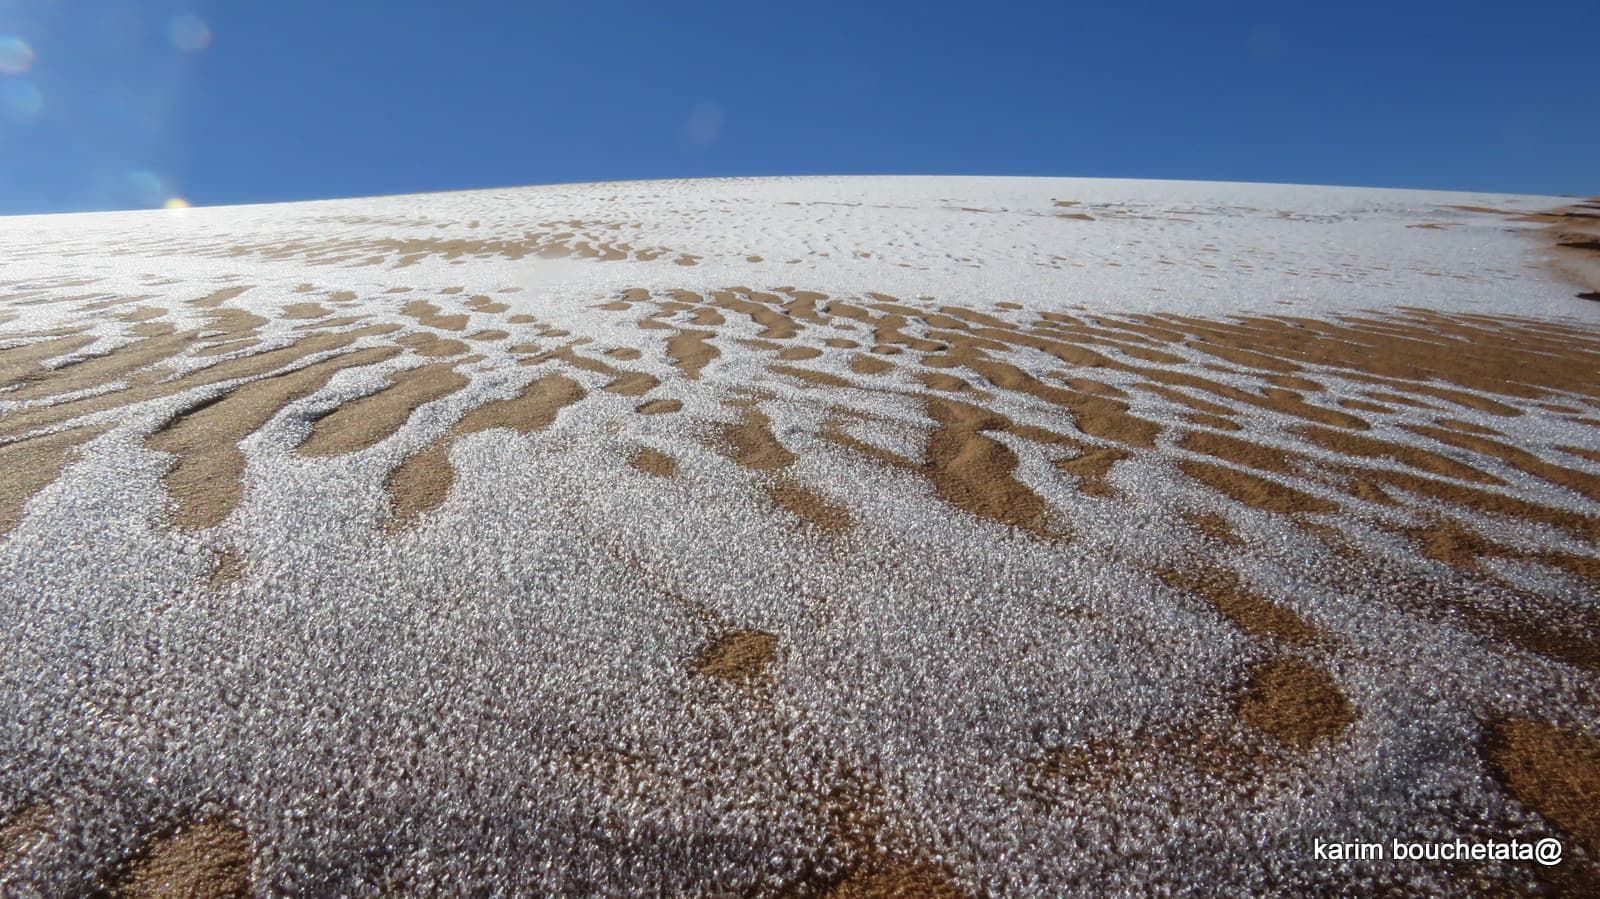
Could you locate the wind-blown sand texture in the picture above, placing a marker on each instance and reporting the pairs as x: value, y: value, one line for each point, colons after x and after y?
x: 848, y: 537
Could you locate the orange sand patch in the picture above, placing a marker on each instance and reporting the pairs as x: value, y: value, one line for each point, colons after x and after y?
x: 428, y: 314
x: 367, y: 421
x: 659, y: 407
x: 31, y: 464
x: 654, y: 462
x: 421, y: 483
x: 974, y: 472
x: 1249, y: 611
x: 1295, y: 703
x: 810, y: 505
x: 739, y: 657
x: 206, y: 480
x: 22, y: 832
x: 1256, y: 492
x: 211, y: 859
x: 1554, y: 771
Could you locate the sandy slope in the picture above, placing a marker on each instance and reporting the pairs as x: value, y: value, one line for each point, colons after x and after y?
x: 796, y: 536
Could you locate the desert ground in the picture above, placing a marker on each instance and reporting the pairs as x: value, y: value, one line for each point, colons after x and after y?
x: 801, y: 537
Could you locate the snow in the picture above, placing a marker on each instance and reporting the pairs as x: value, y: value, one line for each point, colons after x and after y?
x: 498, y: 698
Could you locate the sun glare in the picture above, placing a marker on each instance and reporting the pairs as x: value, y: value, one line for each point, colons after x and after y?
x: 16, y: 56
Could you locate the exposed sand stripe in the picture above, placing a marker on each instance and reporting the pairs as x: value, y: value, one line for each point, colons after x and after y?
x: 219, y: 297
x: 1572, y: 479
x: 210, y: 859
x: 740, y: 657
x: 305, y: 310
x: 25, y: 362
x: 654, y: 462
x: 1092, y: 467
x: 691, y: 351
x: 23, y: 830
x: 96, y: 371
x: 369, y: 420
x: 1553, y: 771
x: 974, y: 472
x: 795, y: 497
x: 206, y: 480
x: 1258, y: 493
x: 1249, y: 611
x: 659, y: 407
x: 422, y: 482
x: 428, y: 314
x: 19, y: 423
x: 28, y: 466
x: 1295, y: 703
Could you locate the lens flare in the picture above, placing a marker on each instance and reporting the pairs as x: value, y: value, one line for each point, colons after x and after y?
x: 176, y: 203
x: 189, y: 33
x: 16, y: 56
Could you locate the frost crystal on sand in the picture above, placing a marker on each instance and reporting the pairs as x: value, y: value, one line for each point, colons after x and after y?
x: 946, y: 536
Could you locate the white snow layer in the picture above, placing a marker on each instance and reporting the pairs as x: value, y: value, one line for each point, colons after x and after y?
x: 500, y: 698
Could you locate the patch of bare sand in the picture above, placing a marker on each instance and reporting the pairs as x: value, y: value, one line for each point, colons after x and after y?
x: 1242, y: 452
x: 1573, y: 234
x: 1251, y: 612
x: 691, y: 351
x: 367, y: 421
x: 1092, y: 467
x: 305, y: 310
x: 152, y: 386
x: 96, y: 371
x: 26, y: 362
x: 430, y: 315
x: 29, y: 465
x: 1296, y: 703
x: 206, y: 480
x: 864, y: 364
x: 425, y: 344
x: 1554, y: 771
x: 1256, y: 492
x: 739, y: 656
x: 209, y: 859
x: 623, y: 382
x: 532, y: 410
x: 751, y: 443
x: 973, y: 471
x: 659, y: 407
x: 812, y: 506
x: 1363, y: 446
x: 231, y: 564
x: 23, y: 830
x: 421, y: 482
x: 1584, y: 527
x: 1521, y: 459
x: 1499, y: 613
x: 654, y: 462
x: 1215, y: 527
x: 1450, y: 541
x: 217, y: 298
x: 764, y: 309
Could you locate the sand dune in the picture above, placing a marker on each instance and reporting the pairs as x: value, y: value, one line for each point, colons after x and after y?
x: 852, y: 537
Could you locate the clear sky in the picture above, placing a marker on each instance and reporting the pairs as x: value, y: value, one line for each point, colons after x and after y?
x: 130, y: 103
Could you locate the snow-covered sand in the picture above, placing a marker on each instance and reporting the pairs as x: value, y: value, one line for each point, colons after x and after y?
x: 977, y: 535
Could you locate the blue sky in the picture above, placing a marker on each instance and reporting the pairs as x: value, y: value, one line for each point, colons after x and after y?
x: 128, y: 103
